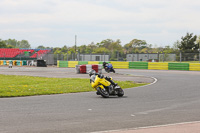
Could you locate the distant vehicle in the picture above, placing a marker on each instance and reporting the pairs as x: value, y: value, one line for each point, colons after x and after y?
x: 108, y: 67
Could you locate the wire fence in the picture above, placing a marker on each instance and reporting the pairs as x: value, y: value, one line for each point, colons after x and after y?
x: 147, y: 57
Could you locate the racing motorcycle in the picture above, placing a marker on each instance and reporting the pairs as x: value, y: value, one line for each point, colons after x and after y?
x: 108, y: 67
x: 104, y: 87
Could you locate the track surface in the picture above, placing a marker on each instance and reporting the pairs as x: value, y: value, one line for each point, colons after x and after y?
x: 174, y: 98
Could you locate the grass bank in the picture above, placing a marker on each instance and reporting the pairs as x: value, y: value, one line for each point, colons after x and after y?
x: 15, y: 86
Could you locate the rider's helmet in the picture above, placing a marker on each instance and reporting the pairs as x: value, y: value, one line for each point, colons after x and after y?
x: 92, y: 72
x: 104, y: 63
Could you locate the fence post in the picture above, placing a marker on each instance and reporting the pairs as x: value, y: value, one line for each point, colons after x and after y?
x: 180, y: 56
x: 163, y: 57
x: 78, y: 56
x: 199, y: 54
x: 104, y: 57
x: 132, y: 56
x: 90, y: 56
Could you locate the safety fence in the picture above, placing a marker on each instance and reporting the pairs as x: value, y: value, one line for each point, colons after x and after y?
x: 136, y: 65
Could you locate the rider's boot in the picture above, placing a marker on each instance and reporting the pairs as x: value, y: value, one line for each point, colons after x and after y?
x: 98, y: 93
x: 113, y: 83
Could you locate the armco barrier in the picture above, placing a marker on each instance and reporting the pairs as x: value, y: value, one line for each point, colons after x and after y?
x: 82, y: 62
x: 138, y: 65
x: 123, y: 65
x: 194, y: 67
x: 62, y: 63
x: 178, y: 66
x: 93, y: 62
x: 72, y: 63
x: 158, y: 65
x: 101, y: 62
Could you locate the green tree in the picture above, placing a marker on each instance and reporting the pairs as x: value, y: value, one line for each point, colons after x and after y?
x: 115, y: 46
x: 24, y: 44
x: 198, y: 42
x: 168, y: 49
x: 135, y: 45
x: 105, y: 43
x: 41, y: 47
x: 188, y: 43
x: 64, y: 49
x: 2, y: 44
x: 82, y: 49
x: 176, y: 45
x: 12, y: 42
x: 101, y: 50
x: 91, y: 48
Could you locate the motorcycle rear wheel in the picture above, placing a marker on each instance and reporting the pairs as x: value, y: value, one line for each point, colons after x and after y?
x: 103, y: 92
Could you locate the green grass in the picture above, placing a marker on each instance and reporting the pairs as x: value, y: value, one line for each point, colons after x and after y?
x: 15, y: 86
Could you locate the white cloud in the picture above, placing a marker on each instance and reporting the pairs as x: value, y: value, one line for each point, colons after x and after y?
x: 98, y: 19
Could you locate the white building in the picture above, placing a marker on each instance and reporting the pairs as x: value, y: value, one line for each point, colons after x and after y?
x: 93, y: 57
x: 150, y: 56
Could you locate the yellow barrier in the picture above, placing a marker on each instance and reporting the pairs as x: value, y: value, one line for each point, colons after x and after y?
x: 14, y: 63
x: 58, y: 63
x: 194, y: 66
x: 1, y: 62
x: 7, y: 62
x: 93, y: 62
x: 72, y: 63
x: 158, y: 66
x: 123, y: 65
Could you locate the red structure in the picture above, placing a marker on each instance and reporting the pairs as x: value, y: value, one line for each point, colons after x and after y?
x: 13, y: 52
x: 39, y: 53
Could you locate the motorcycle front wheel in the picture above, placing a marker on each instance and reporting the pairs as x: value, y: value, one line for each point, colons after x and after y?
x: 113, y: 70
x: 103, y: 92
x: 120, y: 92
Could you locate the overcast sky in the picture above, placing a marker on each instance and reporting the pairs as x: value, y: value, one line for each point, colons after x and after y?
x: 55, y: 23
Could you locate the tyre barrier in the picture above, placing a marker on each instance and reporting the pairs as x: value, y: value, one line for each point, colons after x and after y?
x: 87, y: 68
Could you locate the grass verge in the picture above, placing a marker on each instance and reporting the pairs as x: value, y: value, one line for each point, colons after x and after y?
x: 15, y: 86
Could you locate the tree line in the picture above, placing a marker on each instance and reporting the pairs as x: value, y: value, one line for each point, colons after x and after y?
x: 188, y: 43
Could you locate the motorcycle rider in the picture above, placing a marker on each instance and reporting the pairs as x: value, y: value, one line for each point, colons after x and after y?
x: 93, y: 72
x: 105, y: 64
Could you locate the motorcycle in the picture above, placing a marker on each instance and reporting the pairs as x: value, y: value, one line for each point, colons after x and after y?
x: 108, y: 68
x: 104, y: 87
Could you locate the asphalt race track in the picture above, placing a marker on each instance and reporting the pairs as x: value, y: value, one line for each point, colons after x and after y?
x: 174, y: 98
